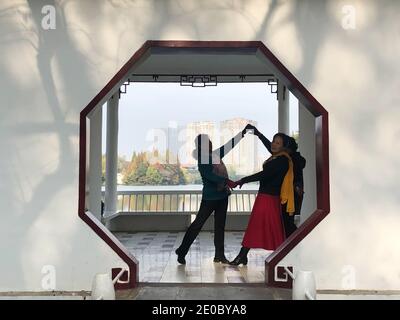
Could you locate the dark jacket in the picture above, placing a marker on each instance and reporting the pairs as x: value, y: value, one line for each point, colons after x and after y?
x: 299, y: 162
x: 271, y: 177
x: 212, y: 182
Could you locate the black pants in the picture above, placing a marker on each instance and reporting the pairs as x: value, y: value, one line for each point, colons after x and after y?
x: 288, y: 220
x: 207, y: 207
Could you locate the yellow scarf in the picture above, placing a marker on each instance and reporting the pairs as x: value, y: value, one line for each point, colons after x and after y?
x: 287, y: 190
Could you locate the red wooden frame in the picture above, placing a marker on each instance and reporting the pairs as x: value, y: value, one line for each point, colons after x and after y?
x: 322, y: 158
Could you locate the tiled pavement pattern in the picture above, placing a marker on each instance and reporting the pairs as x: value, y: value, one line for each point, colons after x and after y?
x: 155, y: 252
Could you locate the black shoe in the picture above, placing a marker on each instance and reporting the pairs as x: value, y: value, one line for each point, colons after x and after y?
x: 222, y: 259
x: 181, y: 258
x: 239, y: 260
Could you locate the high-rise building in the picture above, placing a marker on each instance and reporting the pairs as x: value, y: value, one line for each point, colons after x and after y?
x: 244, y: 157
x: 170, y: 142
x: 193, y: 129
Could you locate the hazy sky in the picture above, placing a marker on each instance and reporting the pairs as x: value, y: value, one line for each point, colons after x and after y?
x: 153, y: 105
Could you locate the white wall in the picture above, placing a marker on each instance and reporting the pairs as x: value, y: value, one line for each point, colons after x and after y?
x: 307, y: 149
x: 94, y: 171
x: 47, y: 77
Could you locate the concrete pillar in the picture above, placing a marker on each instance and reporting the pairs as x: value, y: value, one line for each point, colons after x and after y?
x: 111, y: 156
x: 94, y: 170
x: 283, y: 109
x: 307, y: 149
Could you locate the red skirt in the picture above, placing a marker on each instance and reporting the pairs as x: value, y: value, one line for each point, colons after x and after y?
x: 265, y: 229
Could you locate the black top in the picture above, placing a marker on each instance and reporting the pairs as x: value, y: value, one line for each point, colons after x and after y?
x: 272, y: 175
x: 299, y: 162
x: 212, y: 181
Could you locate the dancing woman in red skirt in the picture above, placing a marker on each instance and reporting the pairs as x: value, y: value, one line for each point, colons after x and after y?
x: 265, y: 229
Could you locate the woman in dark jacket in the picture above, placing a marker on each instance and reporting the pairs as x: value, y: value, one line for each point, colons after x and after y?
x: 265, y: 229
x: 216, y: 189
x: 299, y: 164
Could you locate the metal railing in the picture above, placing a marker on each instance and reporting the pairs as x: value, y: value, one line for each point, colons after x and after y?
x: 178, y: 201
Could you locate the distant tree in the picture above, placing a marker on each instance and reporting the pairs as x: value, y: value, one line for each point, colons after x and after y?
x: 137, y: 177
x: 139, y: 171
x: 122, y: 164
x: 135, y: 171
x: 172, y: 174
x: 192, y: 176
x: 153, y: 176
x: 180, y: 175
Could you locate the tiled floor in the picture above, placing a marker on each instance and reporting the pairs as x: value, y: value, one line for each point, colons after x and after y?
x: 157, y: 259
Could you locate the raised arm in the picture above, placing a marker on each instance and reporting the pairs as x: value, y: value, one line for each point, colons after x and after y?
x: 265, y: 141
x: 260, y: 136
x: 222, y: 151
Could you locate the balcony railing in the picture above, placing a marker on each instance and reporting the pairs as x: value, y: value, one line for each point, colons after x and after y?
x: 171, y: 208
x: 178, y: 201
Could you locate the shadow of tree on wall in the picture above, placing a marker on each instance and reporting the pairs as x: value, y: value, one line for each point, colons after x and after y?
x: 310, y: 17
x: 50, y: 49
x: 261, y: 34
x: 54, y: 47
x: 57, y: 48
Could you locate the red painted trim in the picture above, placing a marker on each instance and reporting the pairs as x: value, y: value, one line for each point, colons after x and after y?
x: 295, y: 85
x: 123, y: 282
x: 204, y: 44
x: 82, y: 165
x: 94, y: 223
x: 282, y: 251
x: 323, y: 204
x: 322, y: 164
x: 322, y: 154
x: 117, y: 78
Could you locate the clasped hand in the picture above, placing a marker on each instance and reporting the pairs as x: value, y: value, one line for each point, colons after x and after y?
x: 250, y: 128
x: 233, y: 184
